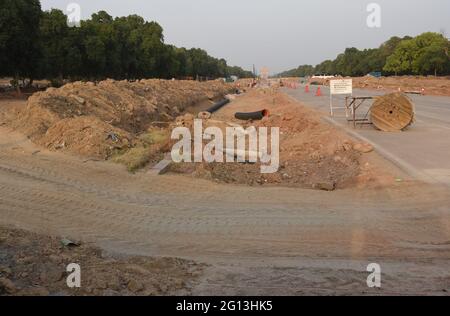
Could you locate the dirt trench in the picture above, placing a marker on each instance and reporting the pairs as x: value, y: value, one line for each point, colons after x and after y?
x: 100, y: 120
x: 313, y: 154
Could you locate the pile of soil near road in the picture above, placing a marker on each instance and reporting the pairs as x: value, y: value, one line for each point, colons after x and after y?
x: 313, y: 154
x: 97, y: 120
x: 430, y: 85
x: 35, y: 265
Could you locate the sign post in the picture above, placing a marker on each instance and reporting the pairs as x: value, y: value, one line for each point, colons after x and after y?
x: 340, y: 86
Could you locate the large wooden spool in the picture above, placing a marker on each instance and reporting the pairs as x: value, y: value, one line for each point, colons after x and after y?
x: 392, y: 112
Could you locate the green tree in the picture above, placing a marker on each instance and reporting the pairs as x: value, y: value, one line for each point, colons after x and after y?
x: 101, y: 58
x: 152, y: 51
x: 431, y: 56
x: 34, y: 43
x: 73, y: 62
x: 326, y: 67
x: 396, y: 55
x: 19, y: 30
x: 423, y: 55
x: 239, y: 72
x: 54, y: 45
x: 128, y: 32
x: 401, y: 61
x: 433, y: 59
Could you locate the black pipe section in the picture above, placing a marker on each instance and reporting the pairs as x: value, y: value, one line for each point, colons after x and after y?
x: 218, y: 106
x: 259, y: 115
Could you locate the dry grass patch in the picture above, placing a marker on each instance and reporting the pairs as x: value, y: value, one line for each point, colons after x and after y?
x: 150, y: 147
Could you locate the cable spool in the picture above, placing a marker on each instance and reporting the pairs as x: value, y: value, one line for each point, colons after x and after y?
x: 392, y: 112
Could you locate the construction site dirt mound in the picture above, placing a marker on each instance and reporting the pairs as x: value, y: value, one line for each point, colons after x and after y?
x: 94, y: 119
x: 313, y: 154
x: 417, y: 84
x: 36, y: 265
x: 425, y: 85
x: 86, y: 136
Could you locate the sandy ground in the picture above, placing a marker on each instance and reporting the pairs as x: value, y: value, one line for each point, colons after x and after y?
x: 426, y: 85
x: 105, y: 119
x: 439, y: 86
x: 420, y: 149
x: 271, y: 241
x: 313, y: 154
x: 36, y: 265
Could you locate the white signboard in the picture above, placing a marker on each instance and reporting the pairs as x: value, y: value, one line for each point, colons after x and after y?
x: 341, y: 86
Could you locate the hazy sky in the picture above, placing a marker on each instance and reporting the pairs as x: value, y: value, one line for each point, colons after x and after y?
x: 279, y: 34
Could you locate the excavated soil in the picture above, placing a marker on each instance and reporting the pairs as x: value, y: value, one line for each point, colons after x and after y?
x: 256, y: 241
x: 35, y: 265
x: 98, y: 120
x: 313, y: 154
x: 119, y: 119
x: 426, y: 85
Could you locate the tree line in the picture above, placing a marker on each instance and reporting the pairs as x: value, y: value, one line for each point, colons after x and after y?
x: 36, y: 44
x: 425, y: 54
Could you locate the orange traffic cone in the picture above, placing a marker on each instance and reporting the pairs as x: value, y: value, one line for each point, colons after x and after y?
x: 319, y: 92
x: 306, y: 89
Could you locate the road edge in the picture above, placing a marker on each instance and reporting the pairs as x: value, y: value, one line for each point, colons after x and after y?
x: 400, y: 163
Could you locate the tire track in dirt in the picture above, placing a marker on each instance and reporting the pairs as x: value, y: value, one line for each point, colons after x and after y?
x: 172, y: 215
x: 260, y: 241
x: 65, y: 204
x: 273, y: 240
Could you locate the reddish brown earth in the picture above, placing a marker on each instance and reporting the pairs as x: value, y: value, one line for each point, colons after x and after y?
x: 426, y: 85
x: 35, y: 265
x: 267, y: 240
x: 313, y: 154
x: 96, y: 120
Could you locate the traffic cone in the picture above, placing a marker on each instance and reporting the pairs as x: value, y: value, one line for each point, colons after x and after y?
x: 319, y: 92
x: 306, y: 89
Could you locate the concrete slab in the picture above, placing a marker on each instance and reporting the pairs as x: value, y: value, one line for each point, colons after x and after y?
x: 161, y: 167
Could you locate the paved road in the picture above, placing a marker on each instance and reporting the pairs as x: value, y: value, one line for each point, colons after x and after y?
x: 423, y: 150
